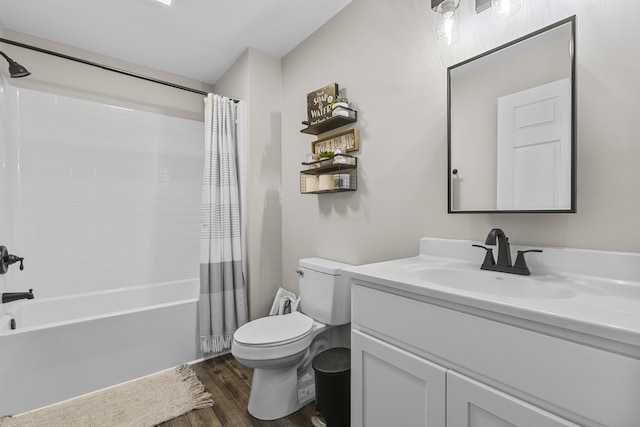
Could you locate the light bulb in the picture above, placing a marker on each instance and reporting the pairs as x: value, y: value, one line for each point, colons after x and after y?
x: 505, y: 8
x: 448, y: 31
x: 448, y: 26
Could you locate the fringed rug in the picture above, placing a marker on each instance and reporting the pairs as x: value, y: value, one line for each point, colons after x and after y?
x: 139, y: 403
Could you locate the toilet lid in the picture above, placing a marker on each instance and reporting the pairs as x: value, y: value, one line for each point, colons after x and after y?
x: 274, y: 330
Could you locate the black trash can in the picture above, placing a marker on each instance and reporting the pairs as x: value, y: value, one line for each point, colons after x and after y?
x: 333, y: 384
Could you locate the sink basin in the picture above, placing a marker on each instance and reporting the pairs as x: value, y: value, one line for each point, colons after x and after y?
x: 494, y: 283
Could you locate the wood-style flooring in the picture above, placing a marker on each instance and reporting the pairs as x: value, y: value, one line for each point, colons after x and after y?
x: 230, y: 383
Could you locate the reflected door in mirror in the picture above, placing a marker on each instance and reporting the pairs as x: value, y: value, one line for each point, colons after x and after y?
x: 534, y: 148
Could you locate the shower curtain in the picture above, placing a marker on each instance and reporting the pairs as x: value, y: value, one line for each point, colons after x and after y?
x: 223, y: 295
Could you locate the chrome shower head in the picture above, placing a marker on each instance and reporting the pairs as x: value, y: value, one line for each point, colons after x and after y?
x: 15, y: 69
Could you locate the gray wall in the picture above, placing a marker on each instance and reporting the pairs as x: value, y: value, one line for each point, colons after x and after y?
x: 384, y: 54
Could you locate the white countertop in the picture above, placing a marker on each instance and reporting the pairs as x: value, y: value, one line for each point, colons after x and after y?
x: 599, y: 310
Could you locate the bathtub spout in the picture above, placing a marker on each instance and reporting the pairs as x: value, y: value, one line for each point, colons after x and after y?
x: 14, y: 296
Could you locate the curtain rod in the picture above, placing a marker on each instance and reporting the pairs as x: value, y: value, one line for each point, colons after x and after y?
x: 104, y: 67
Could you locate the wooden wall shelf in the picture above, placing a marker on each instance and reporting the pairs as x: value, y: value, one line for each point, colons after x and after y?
x: 331, y: 123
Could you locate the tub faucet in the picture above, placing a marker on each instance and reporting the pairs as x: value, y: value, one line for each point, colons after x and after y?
x: 15, y: 296
x: 504, y: 255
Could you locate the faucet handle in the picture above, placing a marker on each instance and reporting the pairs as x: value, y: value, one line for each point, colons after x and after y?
x: 521, y: 264
x: 488, y: 257
x: 12, y: 259
x: 7, y: 259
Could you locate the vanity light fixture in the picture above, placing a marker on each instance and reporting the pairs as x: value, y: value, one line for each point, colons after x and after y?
x: 448, y: 25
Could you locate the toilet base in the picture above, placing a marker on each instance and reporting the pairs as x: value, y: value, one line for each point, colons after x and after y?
x: 274, y: 393
x: 283, y: 386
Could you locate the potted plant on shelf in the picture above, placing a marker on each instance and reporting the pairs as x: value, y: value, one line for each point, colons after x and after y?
x: 340, y: 106
x: 325, y: 156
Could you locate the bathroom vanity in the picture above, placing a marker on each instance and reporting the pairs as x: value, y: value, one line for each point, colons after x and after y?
x: 438, y: 342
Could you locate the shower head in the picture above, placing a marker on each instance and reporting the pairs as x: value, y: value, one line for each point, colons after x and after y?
x: 15, y: 69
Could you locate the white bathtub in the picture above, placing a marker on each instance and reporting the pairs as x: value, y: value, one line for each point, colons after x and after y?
x: 64, y: 347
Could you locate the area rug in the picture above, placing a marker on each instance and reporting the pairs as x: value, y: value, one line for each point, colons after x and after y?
x: 139, y: 403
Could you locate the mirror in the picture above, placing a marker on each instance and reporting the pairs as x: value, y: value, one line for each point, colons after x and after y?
x: 511, y: 133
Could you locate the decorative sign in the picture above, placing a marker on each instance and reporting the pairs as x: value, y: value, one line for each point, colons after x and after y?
x: 319, y: 103
x: 345, y: 141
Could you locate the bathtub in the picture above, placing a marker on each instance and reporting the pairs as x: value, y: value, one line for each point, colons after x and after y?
x: 64, y: 347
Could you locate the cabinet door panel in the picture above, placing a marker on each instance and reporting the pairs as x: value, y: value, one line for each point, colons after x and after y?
x: 473, y: 404
x: 391, y: 387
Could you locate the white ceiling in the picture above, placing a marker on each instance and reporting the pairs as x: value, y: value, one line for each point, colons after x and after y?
x: 198, y: 39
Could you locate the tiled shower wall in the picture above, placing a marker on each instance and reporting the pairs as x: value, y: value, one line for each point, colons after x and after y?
x: 94, y: 196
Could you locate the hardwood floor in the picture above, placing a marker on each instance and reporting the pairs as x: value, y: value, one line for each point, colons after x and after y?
x: 230, y: 383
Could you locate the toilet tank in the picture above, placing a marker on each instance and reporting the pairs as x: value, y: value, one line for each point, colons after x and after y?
x: 325, y: 294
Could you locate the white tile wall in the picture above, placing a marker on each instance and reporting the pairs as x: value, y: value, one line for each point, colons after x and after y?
x: 95, y: 196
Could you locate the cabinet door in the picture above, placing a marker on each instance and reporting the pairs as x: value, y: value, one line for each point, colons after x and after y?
x: 391, y: 387
x: 473, y: 404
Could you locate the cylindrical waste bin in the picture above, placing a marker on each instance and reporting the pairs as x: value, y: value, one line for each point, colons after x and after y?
x: 333, y: 382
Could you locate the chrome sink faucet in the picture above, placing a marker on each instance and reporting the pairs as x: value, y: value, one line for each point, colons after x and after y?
x: 504, y: 255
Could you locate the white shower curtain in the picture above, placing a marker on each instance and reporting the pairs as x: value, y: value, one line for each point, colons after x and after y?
x: 223, y: 295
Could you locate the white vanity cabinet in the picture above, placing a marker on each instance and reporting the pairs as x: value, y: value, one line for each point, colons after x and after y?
x: 422, y: 361
x: 392, y: 387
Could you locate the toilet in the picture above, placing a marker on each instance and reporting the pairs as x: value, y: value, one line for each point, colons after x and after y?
x: 280, y: 349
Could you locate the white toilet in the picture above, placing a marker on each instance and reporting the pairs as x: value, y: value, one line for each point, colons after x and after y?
x: 281, y: 348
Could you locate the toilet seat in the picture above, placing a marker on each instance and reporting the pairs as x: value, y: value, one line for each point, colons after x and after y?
x: 274, y: 330
x: 274, y: 338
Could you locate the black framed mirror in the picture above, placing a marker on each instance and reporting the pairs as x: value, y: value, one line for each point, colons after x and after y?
x: 512, y: 126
